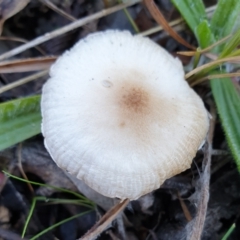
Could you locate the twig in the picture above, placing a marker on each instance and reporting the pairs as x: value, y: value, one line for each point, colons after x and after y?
x: 215, y: 76
x: 58, y: 10
x: 23, y: 81
x: 16, y: 39
x: 105, y: 221
x: 213, y: 64
x: 156, y: 29
x: 65, y: 29
x: 19, y: 153
x: 184, y: 208
x: 197, y: 224
x: 205, y: 50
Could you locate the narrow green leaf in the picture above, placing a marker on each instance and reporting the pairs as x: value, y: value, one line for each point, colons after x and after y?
x: 19, y: 119
x: 224, y: 92
x: 59, y: 223
x: 204, y: 34
x: 224, y: 21
x: 228, y: 104
x: 193, y: 11
x: 78, y: 195
x: 235, y: 53
x: 229, y: 232
x: 231, y: 45
x: 225, y: 18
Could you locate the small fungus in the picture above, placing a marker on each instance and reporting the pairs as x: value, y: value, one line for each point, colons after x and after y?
x: 136, y: 125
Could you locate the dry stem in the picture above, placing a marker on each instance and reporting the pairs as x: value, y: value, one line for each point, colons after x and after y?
x: 23, y: 81
x: 65, y: 29
x: 105, y: 221
x: 197, y: 224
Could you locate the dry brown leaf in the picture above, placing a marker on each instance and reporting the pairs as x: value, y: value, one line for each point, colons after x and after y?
x: 27, y: 65
x: 159, y: 18
x: 8, y: 8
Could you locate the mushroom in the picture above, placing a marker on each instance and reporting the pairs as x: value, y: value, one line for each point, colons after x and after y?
x: 119, y: 115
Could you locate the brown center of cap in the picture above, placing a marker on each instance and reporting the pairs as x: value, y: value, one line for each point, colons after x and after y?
x: 135, y: 99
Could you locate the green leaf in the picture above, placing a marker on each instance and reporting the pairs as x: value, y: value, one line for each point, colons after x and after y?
x: 19, y: 119
x: 228, y: 104
x: 231, y: 45
x: 204, y: 34
x: 235, y: 53
x: 225, y: 18
x: 225, y: 94
x: 193, y: 11
x: 229, y: 232
x: 224, y: 21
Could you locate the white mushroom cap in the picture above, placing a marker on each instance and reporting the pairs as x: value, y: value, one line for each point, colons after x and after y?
x: 118, y: 114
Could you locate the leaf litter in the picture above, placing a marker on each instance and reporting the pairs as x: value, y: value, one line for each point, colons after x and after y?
x: 187, y: 206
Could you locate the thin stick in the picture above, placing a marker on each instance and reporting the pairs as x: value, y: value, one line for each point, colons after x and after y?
x: 213, y: 63
x: 198, y: 222
x: 215, y: 76
x: 184, y: 208
x: 19, y: 153
x: 65, y: 29
x: 23, y: 81
x: 156, y: 29
x: 215, y: 44
x: 105, y: 221
x: 205, y: 50
x: 16, y: 39
x: 58, y: 10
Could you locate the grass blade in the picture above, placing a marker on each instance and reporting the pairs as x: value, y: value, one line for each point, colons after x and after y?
x: 204, y: 34
x: 228, y: 104
x: 29, y: 217
x: 19, y: 119
x: 193, y: 11
x: 229, y: 232
x: 78, y: 195
x: 231, y: 45
x: 59, y: 223
x: 225, y: 94
x: 225, y: 18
